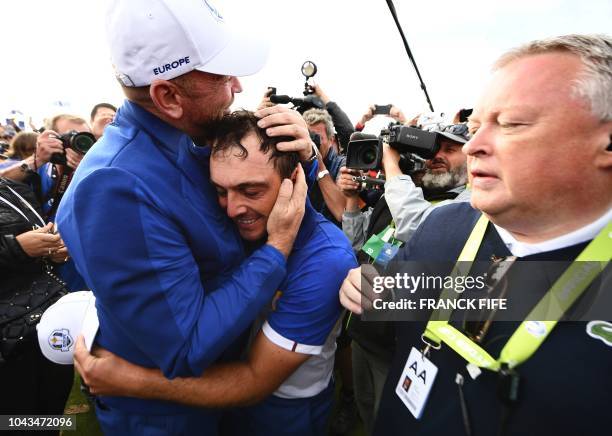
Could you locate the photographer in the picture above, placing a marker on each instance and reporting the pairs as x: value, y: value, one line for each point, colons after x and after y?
x: 444, y: 178
x: 51, y: 173
x: 402, y: 207
x: 325, y: 196
x: 102, y: 115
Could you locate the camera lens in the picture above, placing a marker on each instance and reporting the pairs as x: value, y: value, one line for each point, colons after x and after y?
x: 368, y: 156
x: 83, y: 141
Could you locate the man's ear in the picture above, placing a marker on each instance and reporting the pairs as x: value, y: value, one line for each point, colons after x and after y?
x: 294, y: 175
x: 604, y: 150
x: 167, y: 97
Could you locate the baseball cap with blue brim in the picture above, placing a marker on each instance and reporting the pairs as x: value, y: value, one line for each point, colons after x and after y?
x: 62, y: 323
x: 164, y: 39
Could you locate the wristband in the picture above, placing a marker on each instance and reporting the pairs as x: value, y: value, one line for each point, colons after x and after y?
x: 315, y: 153
x: 359, y: 127
x: 322, y: 174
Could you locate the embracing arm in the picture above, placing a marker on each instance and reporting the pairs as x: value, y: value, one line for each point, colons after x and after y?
x: 142, y: 264
x: 227, y: 385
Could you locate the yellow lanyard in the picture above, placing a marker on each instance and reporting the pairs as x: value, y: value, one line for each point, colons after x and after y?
x: 560, y: 297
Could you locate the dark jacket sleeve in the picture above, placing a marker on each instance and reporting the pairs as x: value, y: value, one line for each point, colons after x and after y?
x: 12, y: 224
x: 342, y: 123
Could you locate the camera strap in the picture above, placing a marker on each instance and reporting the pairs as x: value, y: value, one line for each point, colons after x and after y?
x: 62, y: 186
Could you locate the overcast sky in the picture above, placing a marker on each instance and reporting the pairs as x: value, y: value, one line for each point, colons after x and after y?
x: 56, y: 50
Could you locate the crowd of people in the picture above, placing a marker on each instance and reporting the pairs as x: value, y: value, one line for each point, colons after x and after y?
x: 232, y: 254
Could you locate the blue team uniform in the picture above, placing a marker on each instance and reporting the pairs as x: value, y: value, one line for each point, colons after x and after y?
x: 305, y: 319
x: 142, y: 222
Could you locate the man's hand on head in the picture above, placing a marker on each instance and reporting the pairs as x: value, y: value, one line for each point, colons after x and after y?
x: 282, y: 121
x: 286, y: 216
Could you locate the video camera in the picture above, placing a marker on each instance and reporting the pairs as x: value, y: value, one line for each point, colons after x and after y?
x: 365, y: 152
x: 80, y: 142
x: 309, y: 69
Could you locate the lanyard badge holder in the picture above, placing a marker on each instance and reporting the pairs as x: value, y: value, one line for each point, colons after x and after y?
x: 522, y: 345
x: 382, y: 247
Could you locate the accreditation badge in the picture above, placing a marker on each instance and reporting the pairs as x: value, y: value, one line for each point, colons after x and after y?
x: 416, y: 381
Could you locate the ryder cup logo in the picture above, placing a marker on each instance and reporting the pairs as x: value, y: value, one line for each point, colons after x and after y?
x: 61, y: 340
x: 213, y: 11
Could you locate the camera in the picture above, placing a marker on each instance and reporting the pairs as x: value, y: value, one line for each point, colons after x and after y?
x: 309, y: 101
x: 80, y: 142
x: 365, y: 152
x: 299, y: 104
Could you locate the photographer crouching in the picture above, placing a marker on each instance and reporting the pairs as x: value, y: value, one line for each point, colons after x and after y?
x: 378, y: 232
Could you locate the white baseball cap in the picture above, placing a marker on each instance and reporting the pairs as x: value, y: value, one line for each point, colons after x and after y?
x: 72, y: 315
x: 164, y: 39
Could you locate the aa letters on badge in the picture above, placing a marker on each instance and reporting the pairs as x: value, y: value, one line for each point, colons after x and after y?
x: 416, y: 381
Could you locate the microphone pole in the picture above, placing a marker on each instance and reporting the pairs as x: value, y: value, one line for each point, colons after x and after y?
x: 423, y: 87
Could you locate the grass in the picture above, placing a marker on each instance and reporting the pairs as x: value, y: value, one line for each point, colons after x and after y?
x: 87, y: 423
x: 78, y: 406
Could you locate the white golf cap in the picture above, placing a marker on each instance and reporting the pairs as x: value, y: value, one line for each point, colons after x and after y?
x: 62, y: 323
x: 164, y: 39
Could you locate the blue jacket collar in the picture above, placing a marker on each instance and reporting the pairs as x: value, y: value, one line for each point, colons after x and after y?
x: 178, y: 146
x: 309, y: 222
x: 158, y: 129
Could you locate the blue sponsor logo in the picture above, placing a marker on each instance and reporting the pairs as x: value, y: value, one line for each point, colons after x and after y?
x: 171, y: 66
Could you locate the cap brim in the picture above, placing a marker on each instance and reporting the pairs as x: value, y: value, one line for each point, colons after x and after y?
x: 242, y: 56
x: 452, y: 137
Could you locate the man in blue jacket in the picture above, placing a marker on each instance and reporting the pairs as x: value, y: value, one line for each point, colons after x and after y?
x: 291, y: 358
x: 173, y: 285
